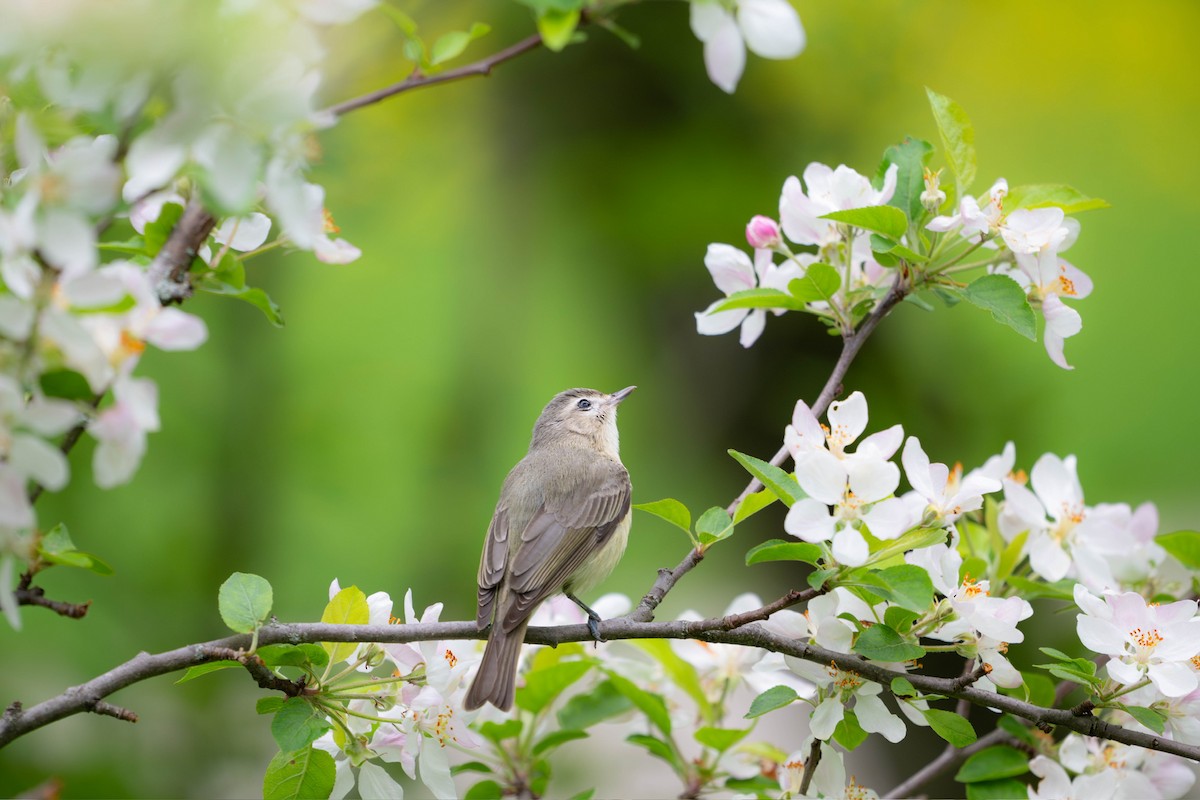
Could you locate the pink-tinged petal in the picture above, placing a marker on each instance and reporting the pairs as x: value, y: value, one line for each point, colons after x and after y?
x: 850, y: 548
x: 1069, y: 232
x: 49, y: 417
x: 1173, y: 678
x: 826, y: 717
x: 848, y: 418
x: 875, y: 718
x: 706, y: 18
x: 809, y: 435
x: 1073, y: 282
x: 67, y: 240
x: 916, y: 467
x: 809, y: 520
x: 1028, y: 230
x: 1062, y: 322
x: 725, y: 55
x: 1021, y: 511
x: 714, y: 323
x: 335, y: 251
x: 762, y: 233
x: 20, y: 272
x: 941, y: 224
x: 796, y: 217
x: 8, y: 597
x: 34, y: 457
x: 731, y: 269
x: 172, y: 329
x: 889, y: 186
x: 93, y: 290
x: 1179, y: 612
x: 116, y: 459
x: 872, y: 480
x: 1055, y: 783
x: 1056, y: 483
x: 1091, y: 604
x: 153, y: 160
x: 822, y: 476
x: 1048, y: 558
x: 1124, y: 672
x: 883, y: 444
x: 375, y: 782
x: 15, y: 510
x: 752, y: 327
x: 244, y: 233
x: 772, y: 28
x: 1099, y: 635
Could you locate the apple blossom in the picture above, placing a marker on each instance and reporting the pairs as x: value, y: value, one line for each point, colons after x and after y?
x: 1119, y: 771
x: 946, y: 494
x: 828, y: 190
x: 732, y: 272
x: 121, y: 429
x: 1142, y: 640
x: 770, y: 28
x: 763, y: 233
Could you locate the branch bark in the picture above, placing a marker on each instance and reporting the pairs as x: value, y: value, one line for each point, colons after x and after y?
x: 169, y: 269
x: 483, y: 67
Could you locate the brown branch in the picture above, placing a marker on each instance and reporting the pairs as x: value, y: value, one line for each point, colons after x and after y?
x: 418, y: 80
x: 263, y: 675
x: 810, y: 766
x: 36, y: 596
x: 109, y: 710
x: 169, y: 270
x: 950, y: 758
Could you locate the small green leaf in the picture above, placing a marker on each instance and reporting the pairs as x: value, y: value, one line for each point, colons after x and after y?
x: 713, y: 526
x: 849, y: 732
x: 670, y: 510
x: 1004, y: 789
x: 888, y: 220
x: 556, y: 739
x: 347, y: 607
x: 881, y: 244
x: 55, y: 541
x: 910, y: 157
x: 1011, y: 556
x: 293, y: 655
x: 903, y: 687
x: 451, y: 45
x: 485, y: 790
x: 157, y: 232
x: 909, y: 586
x: 66, y: 384
x: 655, y: 746
x: 720, y: 739
x: 268, y: 705
x: 881, y: 643
x: 298, y: 724
x: 1152, y: 719
x: 652, y: 705
x: 758, y: 298
x: 303, y: 774
x: 470, y: 766
x: 1006, y: 301
x: 817, y: 578
x: 586, y: 794
x: 992, y: 764
x: 499, y: 731
x: 783, y: 485
x: 1062, y: 590
x: 958, y: 138
x: 950, y: 726
x: 204, y: 669
x: 752, y: 504
x: 681, y: 673
x: 244, y: 602
x: 772, y: 699
x: 781, y: 550
x: 1041, y: 195
x: 542, y: 687
x: 913, y: 540
x: 899, y: 619
x: 1184, y: 545
x: 255, y: 297
x: 819, y: 284
x: 585, y: 710
x: 557, y: 27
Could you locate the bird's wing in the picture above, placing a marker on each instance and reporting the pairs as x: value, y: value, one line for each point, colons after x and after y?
x: 561, y: 536
x: 491, y: 566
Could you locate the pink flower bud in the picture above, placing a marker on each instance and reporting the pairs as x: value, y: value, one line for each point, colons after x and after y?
x: 762, y: 232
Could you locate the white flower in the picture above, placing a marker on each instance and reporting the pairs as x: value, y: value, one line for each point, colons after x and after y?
x: 1143, y: 640
x: 300, y: 208
x: 836, y: 688
x: 24, y: 451
x: 828, y: 190
x: 1050, y: 279
x: 948, y: 495
x: 828, y: 778
x: 770, y: 28
x: 732, y: 272
x: 121, y: 429
x: 1122, y: 772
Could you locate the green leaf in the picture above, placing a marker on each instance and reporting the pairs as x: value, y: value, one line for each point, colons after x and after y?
x: 557, y: 27
x: 204, y: 669
x: 721, y: 739
x: 293, y: 655
x: 655, y: 746
x: 772, y: 699
x: 781, y: 550
x: 1152, y: 719
x: 1006, y: 789
x: 670, y: 510
x: 255, y: 297
x: 713, y: 526
x: 347, y: 607
x: 306, y: 773
x: 451, y: 45
x: 911, y: 157
x: 485, y: 790
x: 586, y: 794
x: 913, y: 540
x: 888, y: 220
x: 783, y: 485
x: 817, y: 578
x: 298, y: 724
x: 908, y: 585
x: 66, y: 384
x: 244, y: 602
x: 1010, y: 556
x: 268, y: 705
x: 556, y: 739
x: 819, y: 284
x: 899, y: 619
x: 882, y: 244
x: 950, y: 726
x: 992, y: 764
x: 881, y: 643
x: 545, y: 685
x: 1062, y: 590
x: 753, y: 503
x: 542, y: 6
x: 585, y: 710
x: 849, y: 732
x: 499, y: 731
x: 157, y: 232
x: 653, y: 706
x: 903, y: 687
x: 470, y: 766
x: 1184, y: 545
x: 1040, y: 195
x: 1006, y: 301
x: 55, y: 541
x: 958, y: 138
x: 681, y: 673
x: 758, y: 298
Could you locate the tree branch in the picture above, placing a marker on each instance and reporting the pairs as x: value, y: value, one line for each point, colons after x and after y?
x: 169, y: 270
x: 418, y: 80
x: 949, y: 758
x: 36, y: 596
x: 810, y: 766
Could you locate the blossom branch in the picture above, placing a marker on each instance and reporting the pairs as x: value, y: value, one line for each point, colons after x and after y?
x: 949, y: 758
x: 263, y: 675
x: 418, y: 80
x: 169, y: 269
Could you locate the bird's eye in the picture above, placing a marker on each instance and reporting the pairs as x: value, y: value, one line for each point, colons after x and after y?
x: 584, y: 404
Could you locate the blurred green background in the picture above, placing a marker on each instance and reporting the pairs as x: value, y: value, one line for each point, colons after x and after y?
x: 545, y: 228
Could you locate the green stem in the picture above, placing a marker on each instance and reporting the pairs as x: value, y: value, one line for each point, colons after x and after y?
x: 373, y: 682
x: 1133, y: 688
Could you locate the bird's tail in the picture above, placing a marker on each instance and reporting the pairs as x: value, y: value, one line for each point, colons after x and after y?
x: 495, y: 682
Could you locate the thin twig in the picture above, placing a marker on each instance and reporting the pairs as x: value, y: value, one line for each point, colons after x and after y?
x: 418, y: 80
x: 810, y: 766
x: 36, y: 596
x: 950, y: 758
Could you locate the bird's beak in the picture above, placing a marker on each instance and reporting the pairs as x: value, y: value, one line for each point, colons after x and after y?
x: 616, y: 397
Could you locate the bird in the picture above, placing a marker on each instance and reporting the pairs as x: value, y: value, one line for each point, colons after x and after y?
x: 561, y: 525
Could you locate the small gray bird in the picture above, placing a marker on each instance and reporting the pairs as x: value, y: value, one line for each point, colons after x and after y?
x: 560, y: 526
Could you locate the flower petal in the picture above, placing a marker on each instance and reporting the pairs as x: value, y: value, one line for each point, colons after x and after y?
x: 772, y: 28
